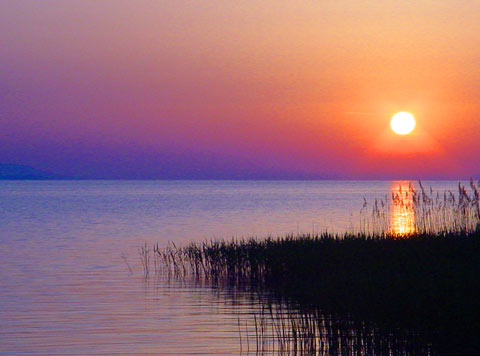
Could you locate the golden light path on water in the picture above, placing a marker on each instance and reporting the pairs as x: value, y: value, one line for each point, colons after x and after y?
x: 402, y: 216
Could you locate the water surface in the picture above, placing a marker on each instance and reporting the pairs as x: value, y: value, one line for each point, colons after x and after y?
x: 66, y: 290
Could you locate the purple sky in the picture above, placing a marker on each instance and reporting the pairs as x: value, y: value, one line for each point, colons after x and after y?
x: 221, y: 89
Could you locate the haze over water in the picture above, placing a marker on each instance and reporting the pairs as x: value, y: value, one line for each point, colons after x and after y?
x: 65, y: 288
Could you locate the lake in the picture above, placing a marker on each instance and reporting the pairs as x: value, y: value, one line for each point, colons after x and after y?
x: 72, y: 283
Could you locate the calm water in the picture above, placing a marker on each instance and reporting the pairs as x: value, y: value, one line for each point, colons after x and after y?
x: 66, y: 290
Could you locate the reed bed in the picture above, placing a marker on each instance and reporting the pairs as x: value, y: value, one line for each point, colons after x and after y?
x: 422, y: 276
x: 423, y: 213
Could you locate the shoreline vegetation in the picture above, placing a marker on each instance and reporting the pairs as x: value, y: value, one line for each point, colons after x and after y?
x: 412, y: 269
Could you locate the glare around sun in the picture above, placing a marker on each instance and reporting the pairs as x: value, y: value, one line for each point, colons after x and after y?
x: 403, y: 123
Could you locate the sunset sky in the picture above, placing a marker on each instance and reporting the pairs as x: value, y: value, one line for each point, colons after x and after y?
x: 240, y: 89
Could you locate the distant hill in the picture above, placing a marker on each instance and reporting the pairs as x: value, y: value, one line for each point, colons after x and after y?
x: 22, y: 172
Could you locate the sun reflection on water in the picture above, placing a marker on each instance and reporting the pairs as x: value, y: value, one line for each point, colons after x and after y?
x: 402, y: 218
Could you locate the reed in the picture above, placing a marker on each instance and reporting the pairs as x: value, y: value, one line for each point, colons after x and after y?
x: 145, y: 258
x: 425, y: 211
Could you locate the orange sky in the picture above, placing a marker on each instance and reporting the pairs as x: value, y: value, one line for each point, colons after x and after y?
x: 253, y: 88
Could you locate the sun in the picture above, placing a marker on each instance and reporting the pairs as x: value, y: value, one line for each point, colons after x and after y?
x: 403, y: 123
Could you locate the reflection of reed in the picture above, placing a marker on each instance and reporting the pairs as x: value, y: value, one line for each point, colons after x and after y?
x: 283, y: 329
x: 402, y: 217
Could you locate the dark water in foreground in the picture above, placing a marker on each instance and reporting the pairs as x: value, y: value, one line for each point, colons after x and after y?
x: 65, y: 288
